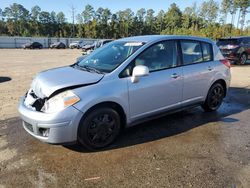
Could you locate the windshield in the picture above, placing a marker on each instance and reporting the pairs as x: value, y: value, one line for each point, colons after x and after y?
x: 110, y: 56
x: 224, y: 42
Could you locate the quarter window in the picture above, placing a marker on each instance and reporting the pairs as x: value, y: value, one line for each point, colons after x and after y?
x: 191, y: 51
x: 207, y: 51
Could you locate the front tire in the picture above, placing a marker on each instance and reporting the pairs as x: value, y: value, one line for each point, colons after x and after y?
x: 214, y: 98
x: 99, y: 128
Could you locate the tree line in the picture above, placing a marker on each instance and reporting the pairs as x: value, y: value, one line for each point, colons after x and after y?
x: 209, y: 19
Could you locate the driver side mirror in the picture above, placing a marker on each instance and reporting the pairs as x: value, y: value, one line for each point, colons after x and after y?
x: 139, y: 71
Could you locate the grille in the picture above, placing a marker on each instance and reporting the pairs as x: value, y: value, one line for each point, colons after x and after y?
x: 38, y: 104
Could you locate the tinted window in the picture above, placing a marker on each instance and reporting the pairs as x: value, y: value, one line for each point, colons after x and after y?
x: 191, y: 51
x: 207, y: 51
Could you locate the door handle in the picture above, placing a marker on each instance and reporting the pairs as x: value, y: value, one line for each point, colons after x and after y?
x: 210, y: 68
x: 175, y: 75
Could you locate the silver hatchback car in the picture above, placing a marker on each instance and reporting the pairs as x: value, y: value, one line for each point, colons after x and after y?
x: 127, y: 81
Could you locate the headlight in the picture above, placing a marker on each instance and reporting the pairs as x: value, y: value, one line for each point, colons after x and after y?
x: 60, y: 102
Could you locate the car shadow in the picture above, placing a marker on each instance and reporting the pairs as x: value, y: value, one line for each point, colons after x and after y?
x: 4, y: 79
x: 180, y: 122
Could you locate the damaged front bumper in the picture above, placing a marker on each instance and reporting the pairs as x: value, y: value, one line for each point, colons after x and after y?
x: 54, y: 128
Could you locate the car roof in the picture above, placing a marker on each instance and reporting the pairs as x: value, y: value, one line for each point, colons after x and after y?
x: 152, y: 38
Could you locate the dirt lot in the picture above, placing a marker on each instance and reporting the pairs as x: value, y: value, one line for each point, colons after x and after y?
x: 187, y: 149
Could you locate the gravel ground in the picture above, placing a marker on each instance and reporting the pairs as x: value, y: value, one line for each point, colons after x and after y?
x: 187, y: 149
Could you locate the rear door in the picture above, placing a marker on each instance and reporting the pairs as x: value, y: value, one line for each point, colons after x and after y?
x: 198, y: 70
x: 162, y: 88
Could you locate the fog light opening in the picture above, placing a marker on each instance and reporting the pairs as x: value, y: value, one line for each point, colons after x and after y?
x: 44, y: 132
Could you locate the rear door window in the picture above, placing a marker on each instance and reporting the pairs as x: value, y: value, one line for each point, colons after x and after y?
x: 191, y: 52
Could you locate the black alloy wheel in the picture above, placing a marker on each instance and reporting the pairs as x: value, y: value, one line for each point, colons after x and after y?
x: 99, y: 128
x: 214, y: 98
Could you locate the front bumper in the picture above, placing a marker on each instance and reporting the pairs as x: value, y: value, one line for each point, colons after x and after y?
x: 60, y: 127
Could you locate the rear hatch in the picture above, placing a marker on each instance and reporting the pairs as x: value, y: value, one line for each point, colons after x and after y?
x: 227, y: 46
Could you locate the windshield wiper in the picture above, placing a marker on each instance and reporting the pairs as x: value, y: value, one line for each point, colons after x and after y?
x: 92, y: 69
x: 80, y: 67
x: 87, y: 68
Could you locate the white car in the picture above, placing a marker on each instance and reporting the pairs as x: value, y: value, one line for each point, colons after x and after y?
x: 76, y: 44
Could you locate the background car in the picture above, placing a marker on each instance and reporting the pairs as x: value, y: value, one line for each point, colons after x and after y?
x: 58, y: 45
x: 88, y: 47
x: 100, y: 43
x: 236, y: 49
x: 97, y: 44
x: 76, y: 44
x: 33, y: 45
x: 87, y: 43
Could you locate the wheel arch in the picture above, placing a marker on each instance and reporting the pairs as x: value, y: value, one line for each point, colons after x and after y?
x: 110, y: 104
x: 223, y: 83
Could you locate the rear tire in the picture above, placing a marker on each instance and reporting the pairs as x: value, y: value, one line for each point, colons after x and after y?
x: 214, y: 98
x: 99, y: 128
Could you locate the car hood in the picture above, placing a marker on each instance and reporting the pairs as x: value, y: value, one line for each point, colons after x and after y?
x: 50, y: 81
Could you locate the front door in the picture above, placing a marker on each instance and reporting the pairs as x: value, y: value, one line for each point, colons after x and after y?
x: 162, y: 89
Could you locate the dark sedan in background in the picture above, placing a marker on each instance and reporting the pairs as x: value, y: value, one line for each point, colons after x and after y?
x: 235, y: 49
x: 33, y: 45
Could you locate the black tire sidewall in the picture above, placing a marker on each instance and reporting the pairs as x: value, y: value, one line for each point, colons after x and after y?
x: 206, y: 106
x: 84, y: 123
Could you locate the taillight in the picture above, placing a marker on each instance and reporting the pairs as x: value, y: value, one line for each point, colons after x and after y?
x: 226, y: 62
